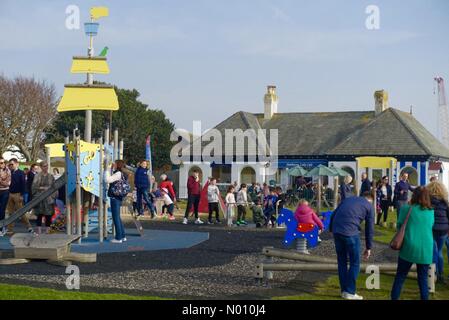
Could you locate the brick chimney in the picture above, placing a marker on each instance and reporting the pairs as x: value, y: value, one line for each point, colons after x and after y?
x: 381, y: 101
x: 271, y: 102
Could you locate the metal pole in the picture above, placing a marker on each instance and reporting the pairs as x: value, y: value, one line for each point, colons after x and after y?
x: 100, y: 198
x: 121, y: 149
x: 90, y: 81
x: 107, y: 163
x: 319, y: 195
x: 68, y: 213
x: 78, y: 187
x: 336, y: 186
x: 116, y: 145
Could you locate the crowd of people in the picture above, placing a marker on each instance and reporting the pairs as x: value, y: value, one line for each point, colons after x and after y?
x: 426, y: 219
x: 18, y: 187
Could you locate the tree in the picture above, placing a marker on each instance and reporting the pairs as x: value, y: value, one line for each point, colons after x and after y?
x: 134, y: 120
x: 27, y: 109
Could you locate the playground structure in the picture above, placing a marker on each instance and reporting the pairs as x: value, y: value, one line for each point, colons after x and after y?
x: 85, y: 163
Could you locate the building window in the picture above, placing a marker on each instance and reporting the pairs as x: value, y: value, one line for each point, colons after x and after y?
x: 248, y: 175
x: 412, y: 175
x: 222, y: 174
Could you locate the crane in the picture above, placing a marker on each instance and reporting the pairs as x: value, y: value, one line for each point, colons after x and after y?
x: 443, y: 113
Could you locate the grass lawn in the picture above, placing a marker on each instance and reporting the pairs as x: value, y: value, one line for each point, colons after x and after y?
x: 15, y: 292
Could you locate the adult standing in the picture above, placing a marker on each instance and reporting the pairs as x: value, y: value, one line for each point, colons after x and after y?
x: 417, y: 247
x: 116, y: 201
x: 5, y: 182
x: 366, y: 184
x: 142, y: 184
x: 439, y: 199
x: 385, y: 192
x: 194, y: 194
x: 16, y: 191
x: 345, y: 226
x: 401, y: 190
x: 345, y: 188
x: 43, y: 181
x: 30, y: 178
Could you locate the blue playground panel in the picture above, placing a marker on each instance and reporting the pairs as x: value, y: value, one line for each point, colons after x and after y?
x: 153, y: 240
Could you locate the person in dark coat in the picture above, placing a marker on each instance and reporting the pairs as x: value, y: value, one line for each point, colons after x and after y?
x: 439, y: 199
x: 366, y: 184
x: 401, y: 190
x: 385, y: 192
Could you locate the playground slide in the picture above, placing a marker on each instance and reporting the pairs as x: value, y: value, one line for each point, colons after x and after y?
x: 34, y: 202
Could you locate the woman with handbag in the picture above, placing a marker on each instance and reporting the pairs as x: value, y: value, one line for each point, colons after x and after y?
x: 415, y: 242
x: 118, y: 189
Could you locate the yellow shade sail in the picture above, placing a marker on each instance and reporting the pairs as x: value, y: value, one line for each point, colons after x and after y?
x: 95, y: 65
x: 376, y: 162
x: 78, y: 98
x: 55, y: 150
x: 99, y: 12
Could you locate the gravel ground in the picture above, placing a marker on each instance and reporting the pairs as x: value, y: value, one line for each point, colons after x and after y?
x: 220, y: 268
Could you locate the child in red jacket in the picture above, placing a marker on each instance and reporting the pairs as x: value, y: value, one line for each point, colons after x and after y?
x: 305, y: 215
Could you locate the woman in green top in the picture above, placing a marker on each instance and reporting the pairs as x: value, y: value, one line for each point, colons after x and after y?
x: 418, y: 242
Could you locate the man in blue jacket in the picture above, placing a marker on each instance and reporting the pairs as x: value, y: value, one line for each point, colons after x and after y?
x: 401, y: 192
x: 345, y: 225
x: 142, y: 183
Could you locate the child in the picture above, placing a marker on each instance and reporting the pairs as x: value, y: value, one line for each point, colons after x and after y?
x: 304, y: 214
x: 242, y: 203
x: 213, y: 196
x: 270, y: 208
x: 168, y: 203
x: 230, y: 204
x: 258, y: 216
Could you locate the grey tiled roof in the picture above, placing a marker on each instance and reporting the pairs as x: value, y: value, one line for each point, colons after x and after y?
x: 359, y: 133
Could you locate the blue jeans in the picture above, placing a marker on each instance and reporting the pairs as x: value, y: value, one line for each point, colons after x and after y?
x: 348, y: 247
x: 26, y: 198
x: 401, y: 274
x: 119, y: 227
x: 4, y: 197
x: 438, y: 259
x: 143, y: 193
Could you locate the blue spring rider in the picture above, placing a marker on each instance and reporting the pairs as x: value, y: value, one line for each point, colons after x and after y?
x: 301, y: 231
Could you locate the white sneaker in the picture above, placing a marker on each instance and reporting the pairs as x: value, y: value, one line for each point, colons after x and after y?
x: 349, y: 296
x: 198, y: 221
x: 185, y: 221
x: 116, y: 241
x: 2, y: 234
x: 124, y: 239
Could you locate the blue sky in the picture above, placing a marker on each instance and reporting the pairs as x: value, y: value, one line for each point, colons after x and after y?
x: 206, y: 59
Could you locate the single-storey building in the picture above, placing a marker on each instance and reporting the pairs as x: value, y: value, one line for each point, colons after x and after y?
x: 333, y: 139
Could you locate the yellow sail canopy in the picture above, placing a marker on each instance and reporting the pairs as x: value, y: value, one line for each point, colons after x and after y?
x: 376, y: 162
x: 99, y: 12
x: 96, y: 65
x: 56, y: 150
x: 82, y: 97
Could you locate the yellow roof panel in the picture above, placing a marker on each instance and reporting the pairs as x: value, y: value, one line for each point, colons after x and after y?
x: 89, y: 65
x: 78, y: 98
x: 56, y: 150
x: 376, y: 162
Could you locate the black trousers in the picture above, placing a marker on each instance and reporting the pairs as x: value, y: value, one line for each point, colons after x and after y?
x: 195, y: 201
x: 213, y: 207
x: 384, y: 206
x: 241, y: 212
